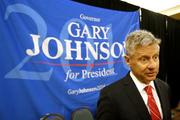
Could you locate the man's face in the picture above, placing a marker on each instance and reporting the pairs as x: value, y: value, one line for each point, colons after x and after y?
x: 144, y: 62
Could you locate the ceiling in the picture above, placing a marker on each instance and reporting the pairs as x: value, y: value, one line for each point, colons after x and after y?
x: 170, y: 8
x: 173, y: 12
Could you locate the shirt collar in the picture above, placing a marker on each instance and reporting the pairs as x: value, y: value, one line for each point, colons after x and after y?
x: 139, y: 84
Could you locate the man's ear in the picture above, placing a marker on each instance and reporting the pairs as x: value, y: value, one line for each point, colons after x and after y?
x: 127, y: 59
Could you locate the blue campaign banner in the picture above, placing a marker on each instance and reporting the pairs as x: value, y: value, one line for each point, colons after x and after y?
x: 55, y: 56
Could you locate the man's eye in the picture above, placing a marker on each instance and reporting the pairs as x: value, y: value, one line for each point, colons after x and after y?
x: 156, y: 58
x: 143, y: 60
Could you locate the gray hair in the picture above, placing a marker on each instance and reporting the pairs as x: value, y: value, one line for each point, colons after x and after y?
x: 139, y: 38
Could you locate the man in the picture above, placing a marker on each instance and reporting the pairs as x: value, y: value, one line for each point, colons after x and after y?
x: 139, y: 95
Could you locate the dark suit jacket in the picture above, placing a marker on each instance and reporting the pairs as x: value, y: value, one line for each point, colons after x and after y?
x: 122, y: 101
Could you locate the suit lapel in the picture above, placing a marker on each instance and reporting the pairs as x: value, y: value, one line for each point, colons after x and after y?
x: 136, y: 98
x: 161, y: 97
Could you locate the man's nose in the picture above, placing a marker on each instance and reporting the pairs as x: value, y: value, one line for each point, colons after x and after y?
x: 152, y: 64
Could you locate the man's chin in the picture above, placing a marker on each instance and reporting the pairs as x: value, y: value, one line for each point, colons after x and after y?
x: 151, y: 78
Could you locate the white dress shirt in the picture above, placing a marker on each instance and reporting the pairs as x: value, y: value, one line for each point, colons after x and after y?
x: 140, y: 86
